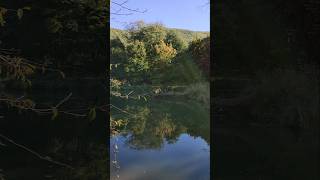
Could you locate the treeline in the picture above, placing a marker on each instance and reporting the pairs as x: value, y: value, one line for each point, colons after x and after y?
x: 151, y: 53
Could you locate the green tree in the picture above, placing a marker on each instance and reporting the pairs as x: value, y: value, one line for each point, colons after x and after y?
x: 137, y: 57
x: 175, y: 39
x: 200, y: 50
x: 164, y: 54
x: 150, y: 35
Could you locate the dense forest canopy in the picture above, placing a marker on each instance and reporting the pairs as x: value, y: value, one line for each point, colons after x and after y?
x: 145, y: 51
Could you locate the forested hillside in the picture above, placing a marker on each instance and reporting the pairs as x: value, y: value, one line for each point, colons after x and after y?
x: 187, y: 35
x: 153, y: 54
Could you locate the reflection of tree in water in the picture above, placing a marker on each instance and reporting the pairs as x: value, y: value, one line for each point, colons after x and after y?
x: 137, y: 124
x: 154, y: 133
x: 152, y: 126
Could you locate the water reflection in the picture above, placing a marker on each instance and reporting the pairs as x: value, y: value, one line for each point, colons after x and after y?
x: 163, y: 140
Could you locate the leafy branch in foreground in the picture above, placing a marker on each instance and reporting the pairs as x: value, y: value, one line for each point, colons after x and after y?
x: 18, y: 68
x: 4, y: 11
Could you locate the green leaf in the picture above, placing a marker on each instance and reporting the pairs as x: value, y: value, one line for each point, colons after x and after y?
x: 92, y: 114
x: 29, y: 82
x: 3, y: 10
x: 2, y: 21
x: 54, y: 113
x: 20, y: 13
x: 2, y: 13
x: 62, y: 74
x: 43, y: 69
x: 54, y: 25
x: 26, y: 8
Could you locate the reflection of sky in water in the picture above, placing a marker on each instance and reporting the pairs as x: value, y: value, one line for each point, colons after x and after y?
x: 186, y: 159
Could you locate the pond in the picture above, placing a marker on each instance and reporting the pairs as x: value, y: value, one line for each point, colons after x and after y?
x: 164, y: 139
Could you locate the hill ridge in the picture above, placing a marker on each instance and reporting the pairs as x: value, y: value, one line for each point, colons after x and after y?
x: 188, y: 35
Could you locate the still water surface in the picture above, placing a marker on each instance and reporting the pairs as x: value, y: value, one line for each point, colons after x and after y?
x: 166, y: 140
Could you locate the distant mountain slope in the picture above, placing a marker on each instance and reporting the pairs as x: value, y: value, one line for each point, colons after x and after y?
x: 190, y: 35
x: 186, y: 34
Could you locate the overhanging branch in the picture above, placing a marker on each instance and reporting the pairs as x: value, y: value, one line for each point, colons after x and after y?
x: 122, y: 6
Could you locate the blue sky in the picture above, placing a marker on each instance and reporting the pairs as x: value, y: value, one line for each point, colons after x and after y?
x: 183, y: 14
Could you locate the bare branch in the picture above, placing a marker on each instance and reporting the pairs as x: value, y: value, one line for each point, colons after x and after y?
x: 124, y: 111
x: 120, y: 14
x: 46, y: 158
x: 123, y: 6
x: 124, y: 2
x: 129, y: 9
x: 64, y: 100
